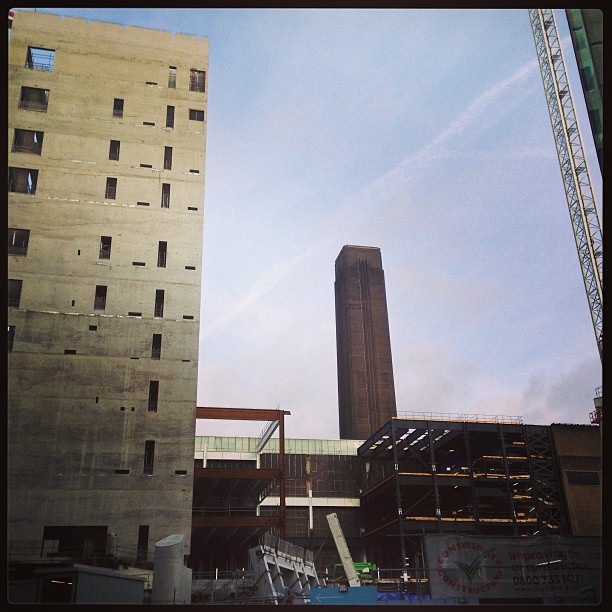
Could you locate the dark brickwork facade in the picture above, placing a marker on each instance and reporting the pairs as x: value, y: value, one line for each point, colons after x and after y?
x: 366, y: 391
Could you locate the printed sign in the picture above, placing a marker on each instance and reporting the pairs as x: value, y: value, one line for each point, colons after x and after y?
x: 492, y: 567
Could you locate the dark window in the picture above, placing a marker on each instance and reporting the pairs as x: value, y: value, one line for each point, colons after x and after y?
x: 70, y: 352
x: 159, y: 303
x: 18, y: 241
x: 583, y: 478
x: 100, y: 299
x: 94, y: 328
x: 162, y: 249
x: 197, y: 80
x: 172, y: 77
x: 153, y: 395
x: 111, y: 188
x: 122, y: 471
x: 115, y: 146
x: 28, y: 141
x: 168, y: 158
x: 165, y: 199
x: 33, y: 98
x: 11, y: 337
x: 149, y: 457
x: 180, y: 472
x: 196, y: 115
x: 23, y: 180
x: 143, y: 544
x: 118, y: 107
x: 40, y: 59
x: 105, y: 247
x: 170, y: 116
x: 156, y: 346
x: 14, y: 292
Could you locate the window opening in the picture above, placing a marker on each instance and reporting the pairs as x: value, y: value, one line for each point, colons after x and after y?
x: 146, y: 165
x: 100, y: 299
x: 196, y: 115
x: 165, y: 200
x: 168, y: 160
x: 28, y: 141
x: 197, y: 80
x: 111, y: 188
x: 40, y: 59
x: 192, y: 208
x: 14, y: 292
x: 23, y: 180
x: 122, y: 471
x: 143, y: 544
x: 118, y: 107
x: 159, y: 303
x: 105, y: 247
x: 18, y: 241
x: 113, y: 153
x: 70, y: 352
x: 94, y: 328
x: 11, y: 337
x: 169, y: 116
x: 156, y: 346
x: 139, y: 263
x: 582, y: 478
x: 148, y: 123
x: 149, y: 457
x: 153, y: 395
x: 162, y: 249
x: 172, y: 77
x: 34, y: 98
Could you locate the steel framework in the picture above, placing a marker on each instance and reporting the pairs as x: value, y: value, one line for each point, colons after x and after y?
x: 574, y: 169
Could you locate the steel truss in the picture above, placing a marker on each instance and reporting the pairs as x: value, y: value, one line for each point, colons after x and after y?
x: 574, y: 169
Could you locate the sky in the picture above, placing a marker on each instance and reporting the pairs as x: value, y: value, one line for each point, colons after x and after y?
x: 423, y: 132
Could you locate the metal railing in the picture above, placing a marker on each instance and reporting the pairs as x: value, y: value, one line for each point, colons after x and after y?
x: 475, y: 418
x: 35, y: 149
x: 31, y: 105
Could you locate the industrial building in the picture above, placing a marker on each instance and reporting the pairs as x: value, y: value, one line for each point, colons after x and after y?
x: 418, y: 476
x: 107, y: 129
x: 366, y: 389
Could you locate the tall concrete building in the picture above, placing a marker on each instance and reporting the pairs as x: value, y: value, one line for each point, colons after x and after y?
x: 107, y: 132
x: 366, y: 392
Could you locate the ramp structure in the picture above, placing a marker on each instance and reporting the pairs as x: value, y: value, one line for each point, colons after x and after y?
x: 284, y: 573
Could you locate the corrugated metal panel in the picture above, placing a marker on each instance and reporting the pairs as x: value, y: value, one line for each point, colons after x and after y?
x: 104, y: 589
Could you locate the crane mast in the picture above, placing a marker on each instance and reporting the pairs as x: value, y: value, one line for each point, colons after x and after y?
x: 574, y: 169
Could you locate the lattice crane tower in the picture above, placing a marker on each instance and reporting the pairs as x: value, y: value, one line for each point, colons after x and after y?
x: 581, y: 200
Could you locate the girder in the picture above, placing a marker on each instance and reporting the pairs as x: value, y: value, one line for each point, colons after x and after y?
x: 580, y: 197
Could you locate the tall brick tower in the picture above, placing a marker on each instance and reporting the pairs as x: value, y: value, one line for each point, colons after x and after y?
x: 366, y: 392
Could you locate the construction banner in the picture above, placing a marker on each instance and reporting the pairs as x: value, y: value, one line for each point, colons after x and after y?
x: 520, y: 567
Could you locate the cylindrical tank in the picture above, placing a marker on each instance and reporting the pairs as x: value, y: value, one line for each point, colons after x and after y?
x: 168, y: 571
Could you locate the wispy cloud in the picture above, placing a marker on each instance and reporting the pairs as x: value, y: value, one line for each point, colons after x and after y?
x: 479, y: 109
x: 268, y: 280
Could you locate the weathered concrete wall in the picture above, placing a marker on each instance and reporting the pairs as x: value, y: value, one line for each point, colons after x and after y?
x: 578, y: 449
x: 76, y: 418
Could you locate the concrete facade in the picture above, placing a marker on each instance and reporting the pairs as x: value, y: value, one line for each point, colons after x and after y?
x: 101, y: 424
x: 366, y: 390
x: 579, y: 457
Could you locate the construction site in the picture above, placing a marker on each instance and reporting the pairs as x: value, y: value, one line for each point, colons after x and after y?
x: 406, y: 508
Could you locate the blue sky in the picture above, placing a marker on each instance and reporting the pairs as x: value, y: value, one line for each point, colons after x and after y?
x: 422, y: 132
